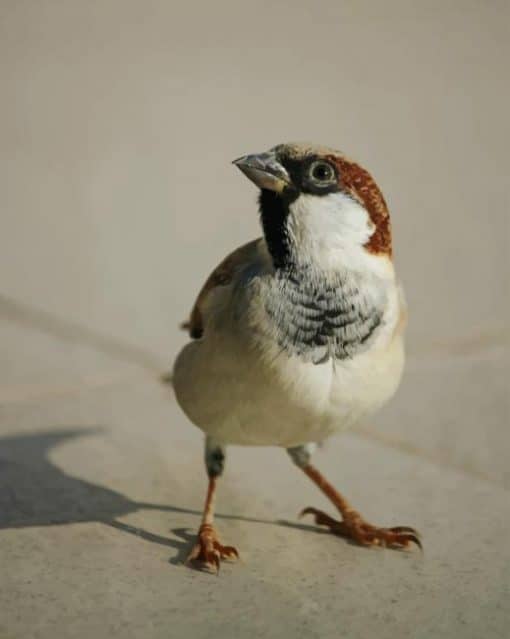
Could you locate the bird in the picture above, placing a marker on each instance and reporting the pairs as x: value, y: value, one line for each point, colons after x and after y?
x: 298, y: 334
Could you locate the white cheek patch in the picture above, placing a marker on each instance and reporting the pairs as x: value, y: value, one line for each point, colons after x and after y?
x: 325, y: 228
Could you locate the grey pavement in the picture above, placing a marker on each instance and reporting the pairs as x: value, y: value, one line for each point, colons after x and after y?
x: 119, y: 120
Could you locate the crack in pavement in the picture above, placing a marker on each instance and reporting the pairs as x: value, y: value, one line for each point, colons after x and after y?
x: 77, y: 333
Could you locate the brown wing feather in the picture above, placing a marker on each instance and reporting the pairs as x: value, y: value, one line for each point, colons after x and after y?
x: 221, y: 276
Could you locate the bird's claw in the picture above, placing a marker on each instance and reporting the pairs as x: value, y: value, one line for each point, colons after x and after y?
x: 356, y: 528
x: 207, y: 553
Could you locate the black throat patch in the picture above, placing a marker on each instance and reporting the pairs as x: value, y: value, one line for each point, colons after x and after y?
x: 274, y: 210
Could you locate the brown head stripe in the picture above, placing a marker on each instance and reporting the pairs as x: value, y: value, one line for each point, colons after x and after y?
x: 360, y: 185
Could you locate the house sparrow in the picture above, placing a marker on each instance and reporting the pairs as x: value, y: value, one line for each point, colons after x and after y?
x: 299, y: 334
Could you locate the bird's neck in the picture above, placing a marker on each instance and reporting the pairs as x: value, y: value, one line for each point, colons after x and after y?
x: 280, y: 240
x: 298, y: 244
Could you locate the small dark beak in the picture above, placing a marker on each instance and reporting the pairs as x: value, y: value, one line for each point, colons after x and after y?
x: 264, y: 170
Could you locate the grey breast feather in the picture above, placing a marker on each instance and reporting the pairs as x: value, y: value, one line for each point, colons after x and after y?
x: 317, y: 317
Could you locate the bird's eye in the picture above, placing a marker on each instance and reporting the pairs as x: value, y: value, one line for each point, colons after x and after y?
x: 322, y: 172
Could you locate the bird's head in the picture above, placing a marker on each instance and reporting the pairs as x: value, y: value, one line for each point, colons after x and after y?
x: 318, y: 207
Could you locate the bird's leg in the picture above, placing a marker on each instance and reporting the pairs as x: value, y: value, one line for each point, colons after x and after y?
x: 352, y: 525
x: 207, y: 551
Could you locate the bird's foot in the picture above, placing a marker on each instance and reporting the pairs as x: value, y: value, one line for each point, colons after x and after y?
x: 356, y: 528
x: 207, y: 553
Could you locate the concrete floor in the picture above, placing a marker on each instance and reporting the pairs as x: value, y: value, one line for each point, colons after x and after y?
x: 117, y: 197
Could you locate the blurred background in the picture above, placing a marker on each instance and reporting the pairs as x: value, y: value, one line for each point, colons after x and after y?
x: 119, y: 122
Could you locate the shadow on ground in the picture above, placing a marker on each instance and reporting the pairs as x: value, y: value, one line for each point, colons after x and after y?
x: 35, y: 492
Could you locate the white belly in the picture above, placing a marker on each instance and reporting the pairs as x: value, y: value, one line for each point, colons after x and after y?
x: 236, y: 397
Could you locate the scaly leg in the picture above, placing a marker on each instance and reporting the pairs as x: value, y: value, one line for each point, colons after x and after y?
x: 207, y: 551
x: 352, y: 526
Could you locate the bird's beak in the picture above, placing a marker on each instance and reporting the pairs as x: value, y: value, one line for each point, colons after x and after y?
x: 264, y: 170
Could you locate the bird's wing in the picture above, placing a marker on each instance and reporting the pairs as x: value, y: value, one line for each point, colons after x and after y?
x: 222, y: 275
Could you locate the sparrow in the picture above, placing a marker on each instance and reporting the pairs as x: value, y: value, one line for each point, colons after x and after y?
x: 298, y: 334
